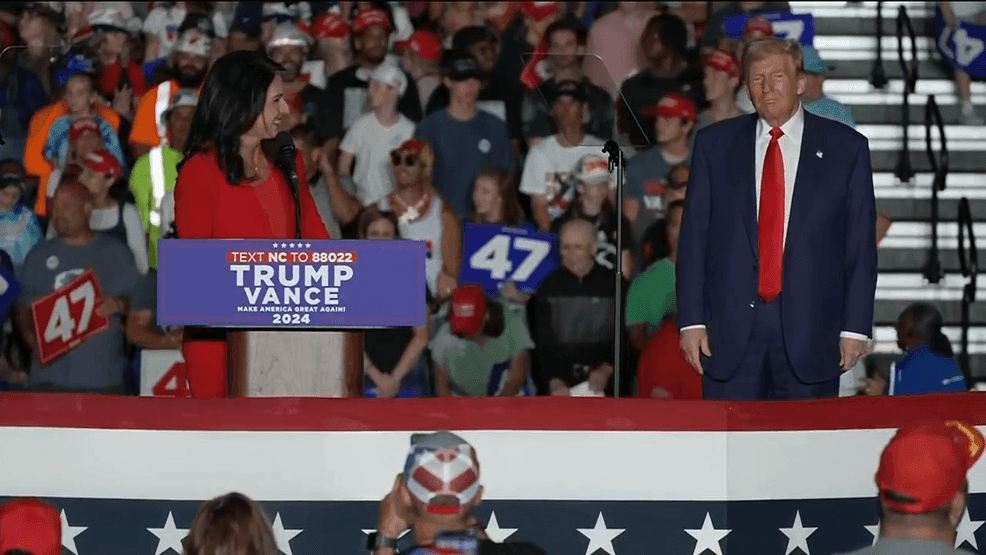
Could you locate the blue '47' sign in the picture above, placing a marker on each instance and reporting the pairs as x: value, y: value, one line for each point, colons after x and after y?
x: 962, y: 47
x: 493, y: 254
x: 797, y: 26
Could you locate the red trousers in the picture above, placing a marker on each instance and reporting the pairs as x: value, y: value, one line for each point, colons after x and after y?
x: 205, y: 360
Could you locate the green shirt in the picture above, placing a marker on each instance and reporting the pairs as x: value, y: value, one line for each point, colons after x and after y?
x: 480, y: 370
x: 143, y: 189
x: 651, y: 295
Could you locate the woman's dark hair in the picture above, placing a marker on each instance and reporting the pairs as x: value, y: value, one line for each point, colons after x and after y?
x: 568, y: 23
x: 495, y: 322
x: 671, y: 31
x: 512, y: 213
x: 372, y: 214
x: 231, y: 523
x: 926, y: 323
x: 232, y: 98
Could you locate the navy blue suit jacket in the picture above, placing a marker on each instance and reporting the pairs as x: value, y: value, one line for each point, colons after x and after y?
x: 829, y: 266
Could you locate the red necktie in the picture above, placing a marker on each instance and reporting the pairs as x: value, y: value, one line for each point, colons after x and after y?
x: 770, y: 230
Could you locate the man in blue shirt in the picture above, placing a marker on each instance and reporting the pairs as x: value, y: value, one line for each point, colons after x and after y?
x: 464, y: 137
x: 928, y: 366
x: 813, y: 99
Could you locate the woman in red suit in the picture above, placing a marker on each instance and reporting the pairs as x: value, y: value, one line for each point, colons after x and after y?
x: 228, y: 188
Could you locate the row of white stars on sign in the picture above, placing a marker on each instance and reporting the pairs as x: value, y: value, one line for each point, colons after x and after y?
x: 292, y: 245
x: 707, y: 538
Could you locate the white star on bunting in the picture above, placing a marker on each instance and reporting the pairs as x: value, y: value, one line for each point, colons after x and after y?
x: 308, y: 245
x: 284, y: 245
x: 282, y: 536
x: 707, y: 537
x: 292, y: 245
x: 496, y: 533
x: 600, y: 537
x: 169, y: 537
x: 275, y: 245
x: 797, y: 535
x: 966, y: 531
x: 69, y: 533
x: 875, y: 530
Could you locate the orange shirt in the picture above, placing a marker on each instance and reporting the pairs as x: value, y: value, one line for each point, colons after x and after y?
x: 144, y: 130
x: 37, y: 134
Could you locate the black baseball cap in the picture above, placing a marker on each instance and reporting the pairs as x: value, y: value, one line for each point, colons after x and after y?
x: 11, y: 173
x: 572, y: 88
x: 460, y: 66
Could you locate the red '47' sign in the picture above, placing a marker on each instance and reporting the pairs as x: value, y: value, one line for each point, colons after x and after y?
x: 67, y: 317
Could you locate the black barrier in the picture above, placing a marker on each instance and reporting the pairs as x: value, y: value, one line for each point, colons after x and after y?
x: 939, y: 166
x: 969, y: 263
x: 904, y: 171
x: 878, y: 77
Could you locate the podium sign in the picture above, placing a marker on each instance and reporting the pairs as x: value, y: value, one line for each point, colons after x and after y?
x: 235, y: 283
x: 66, y: 317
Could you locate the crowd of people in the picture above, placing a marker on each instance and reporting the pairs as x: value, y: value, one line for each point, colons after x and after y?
x: 411, y: 119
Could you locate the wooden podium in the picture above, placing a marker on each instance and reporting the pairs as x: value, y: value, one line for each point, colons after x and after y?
x: 313, y: 363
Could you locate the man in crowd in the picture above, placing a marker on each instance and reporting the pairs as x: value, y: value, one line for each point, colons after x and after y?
x: 647, y: 173
x: 187, y: 70
x: 814, y: 98
x: 651, y: 295
x: 289, y: 46
x: 97, y: 364
x: 924, y: 489
x: 333, y: 48
x: 154, y: 173
x: 712, y: 37
x: 573, y: 318
x: 30, y: 526
x: 21, y: 95
x: 722, y: 79
x: 348, y: 88
x: 755, y: 326
x: 435, y: 497
x: 566, y: 40
x: 546, y: 171
x: 375, y: 135
x: 421, y: 58
x: 464, y: 137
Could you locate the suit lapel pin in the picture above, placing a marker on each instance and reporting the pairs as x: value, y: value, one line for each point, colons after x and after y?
x: 819, y: 154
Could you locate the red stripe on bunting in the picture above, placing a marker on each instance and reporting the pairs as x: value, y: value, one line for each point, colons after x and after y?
x: 546, y: 413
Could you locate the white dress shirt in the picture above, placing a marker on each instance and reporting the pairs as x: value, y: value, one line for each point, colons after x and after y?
x: 790, y: 143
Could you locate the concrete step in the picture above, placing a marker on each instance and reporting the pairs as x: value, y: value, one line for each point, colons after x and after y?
x: 885, y: 113
x: 890, y: 136
x: 957, y: 185
x: 885, y: 339
x: 862, y: 69
x: 866, y: 26
x: 857, y: 10
x: 858, y: 91
x: 837, y: 48
x: 886, y: 312
x: 917, y: 235
x: 898, y: 209
x: 958, y: 162
x: 914, y: 260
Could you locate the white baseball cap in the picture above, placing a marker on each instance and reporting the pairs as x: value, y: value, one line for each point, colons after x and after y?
x: 391, y: 75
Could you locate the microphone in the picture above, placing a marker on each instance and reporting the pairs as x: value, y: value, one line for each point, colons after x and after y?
x: 284, y: 157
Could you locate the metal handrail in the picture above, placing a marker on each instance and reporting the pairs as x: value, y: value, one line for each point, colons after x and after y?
x: 969, y: 263
x: 878, y: 77
x: 904, y: 171
x: 939, y: 165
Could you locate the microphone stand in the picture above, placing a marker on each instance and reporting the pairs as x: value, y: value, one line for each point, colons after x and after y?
x: 616, y: 162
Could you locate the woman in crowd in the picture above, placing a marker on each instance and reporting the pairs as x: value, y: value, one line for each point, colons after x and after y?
x: 233, y: 524
x: 19, y: 229
x: 229, y: 188
x: 484, y: 349
x: 392, y: 357
x: 423, y: 216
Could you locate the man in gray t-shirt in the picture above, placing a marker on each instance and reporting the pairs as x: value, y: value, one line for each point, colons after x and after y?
x: 96, y: 364
x: 923, y: 489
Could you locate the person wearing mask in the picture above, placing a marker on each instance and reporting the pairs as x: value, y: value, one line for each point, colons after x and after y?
x: 154, y: 174
x: 722, y: 80
x: 463, y: 136
x: 97, y: 364
x: 230, y: 523
x: 19, y: 230
x: 484, y: 348
x: 187, y: 67
x: 348, y: 88
x: 393, y: 358
x: 928, y: 364
x: 229, y: 188
x: 546, y: 170
x: 421, y: 57
x: 923, y: 486
x: 610, y: 38
x: 422, y: 215
x: 289, y: 46
x: 663, y: 43
x: 112, y: 212
x: 435, y: 496
x: 566, y: 41
x: 814, y: 98
x: 375, y: 135
x: 573, y: 318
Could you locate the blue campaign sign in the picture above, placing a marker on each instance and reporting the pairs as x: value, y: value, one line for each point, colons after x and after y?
x: 291, y: 284
x: 962, y: 47
x: 493, y: 254
x: 798, y: 26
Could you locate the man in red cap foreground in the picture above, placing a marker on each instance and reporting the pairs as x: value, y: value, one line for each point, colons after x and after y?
x: 30, y: 525
x: 923, y: 488
x: 435, y: 497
